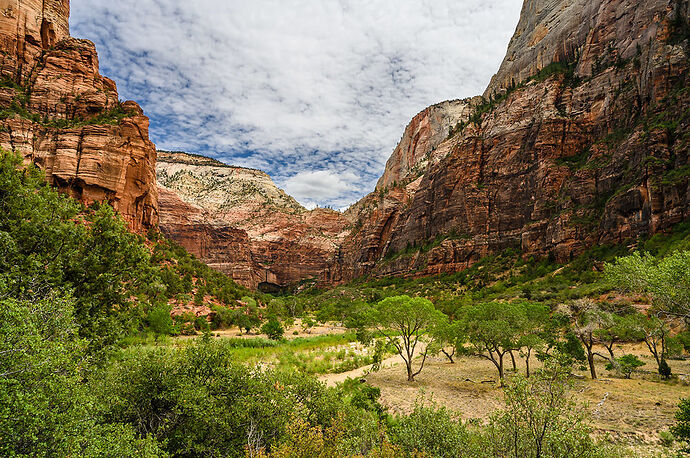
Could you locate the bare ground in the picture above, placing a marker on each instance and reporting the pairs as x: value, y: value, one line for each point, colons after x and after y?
x: 631, y: 411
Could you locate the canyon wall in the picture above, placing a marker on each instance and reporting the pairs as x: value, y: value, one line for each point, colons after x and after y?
x: 582, y: 140
x: 238, y: 221
x: 61, y: 114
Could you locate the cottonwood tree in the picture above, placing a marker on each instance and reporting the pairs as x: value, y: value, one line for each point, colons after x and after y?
x: 448, y: 337
x: 666, y: 281
x: 589, y: 319
x: 534, y: 325
x: 540, y: 420
x: 406, y: 323
x: 493, y: 329
x: 655, y: 333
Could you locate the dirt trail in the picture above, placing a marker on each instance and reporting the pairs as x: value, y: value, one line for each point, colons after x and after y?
x: 395, y: 360
x: 334, y: 379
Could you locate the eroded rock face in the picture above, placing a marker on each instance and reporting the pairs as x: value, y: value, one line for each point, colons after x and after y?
x: 238, y: 221
x: 418, y: 146
x: 61, y: 114
x: 598, y: 154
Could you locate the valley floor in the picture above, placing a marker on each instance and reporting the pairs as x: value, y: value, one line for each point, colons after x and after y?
x: 630, y: 411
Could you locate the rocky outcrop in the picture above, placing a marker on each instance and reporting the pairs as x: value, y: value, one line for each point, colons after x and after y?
x: 238, y: 221
x: 418, y: 147
x: 60, y: 113
x: 583, y: 142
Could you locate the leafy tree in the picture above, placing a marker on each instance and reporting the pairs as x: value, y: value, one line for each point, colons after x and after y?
x: 45, y: 407
x: 431, y: 430
x: 406, y: 323
x: 626, y: 364
x: 666, y: 281
x: 448, y: 337
x: 656, y: 335
x: 273, y: 329
x: 540, y: 420
x: 615, y: 328
x: 589, y: 322
x: 532, y: 338
x: 493, y: 329
x: 159, y: 319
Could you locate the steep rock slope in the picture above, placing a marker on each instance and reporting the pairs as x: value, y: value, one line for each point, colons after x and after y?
x: 418, y: 145
x: 238, y: 221
x: 582, y: 140
x: 60, y: 113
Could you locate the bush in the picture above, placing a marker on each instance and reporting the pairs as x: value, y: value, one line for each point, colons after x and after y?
x: 273, y: 329
x: 431, y: 430
x: 681, y: 430
x: 627, y: 364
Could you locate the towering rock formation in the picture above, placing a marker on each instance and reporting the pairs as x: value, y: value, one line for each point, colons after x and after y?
x: 239, y: 222
x: 418, y: 147
x: 582, y: 140
x: 60, y: 113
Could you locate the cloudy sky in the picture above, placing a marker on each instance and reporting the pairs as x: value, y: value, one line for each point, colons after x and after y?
x: 315, y: 92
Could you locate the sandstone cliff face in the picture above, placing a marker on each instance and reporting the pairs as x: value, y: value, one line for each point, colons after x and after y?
x: 591, y: 151
x: 60, y: 113
x: 238, y: 221
x: 418, y: 147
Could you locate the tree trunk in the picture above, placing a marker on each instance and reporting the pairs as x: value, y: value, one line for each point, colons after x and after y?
x: 527, y: 362
x: 590, y: 360
x: 500, y: 369
x: 410, y: 375
x: 512, y: 358
x: 449, y: 355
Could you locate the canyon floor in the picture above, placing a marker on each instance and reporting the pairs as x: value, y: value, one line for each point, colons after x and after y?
x: 634, y: 412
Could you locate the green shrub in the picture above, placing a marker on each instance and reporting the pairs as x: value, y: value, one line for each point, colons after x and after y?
x: 273, y: 329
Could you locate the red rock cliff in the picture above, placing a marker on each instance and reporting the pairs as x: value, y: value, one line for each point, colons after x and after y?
x: 586, y: 144
x: 239, y: 222
x: 61, y: 114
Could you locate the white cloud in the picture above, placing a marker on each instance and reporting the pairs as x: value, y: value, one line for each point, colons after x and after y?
x: 300, y: 85
x: 322, y: 186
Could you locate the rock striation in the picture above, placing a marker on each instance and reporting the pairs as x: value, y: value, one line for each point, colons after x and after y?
x: 61, y: 114
x: 582, y: 139
x: 239, y: 222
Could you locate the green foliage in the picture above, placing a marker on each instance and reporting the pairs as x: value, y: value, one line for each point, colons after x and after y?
x: 273, y: 329
x: 410, y: 318
x: 197, y: 401
x: 540, y: 420
x: 45, y: 407
x: 627, y: 364
x: 667, y: 281
x: 433, y: 430
x: 681, y: 430
x: 159, y: 320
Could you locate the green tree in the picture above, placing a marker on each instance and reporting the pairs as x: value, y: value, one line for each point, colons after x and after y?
x: 534, y: 326
x: 626, y: 364
x: 589, y: 321
x: 46, y: 409
x: 448, y: 337
x: 159, y: 319
x: 407, y: 323
x: 493, y: 329
x: 656, y: 335
x: 666, y: 281
x: 540, y: 419
x: 681, y: 430
x: 273, y: 329
x: 431, y: 430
